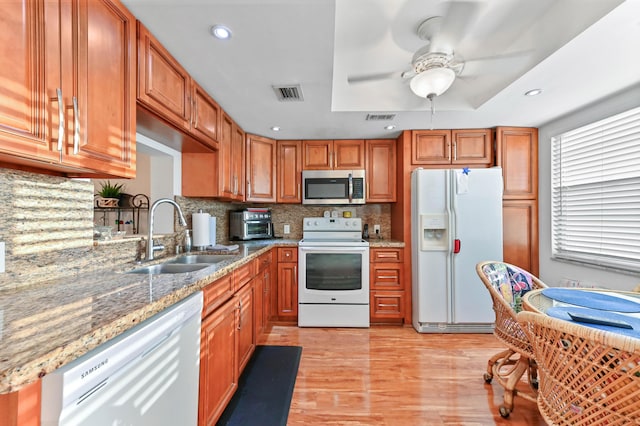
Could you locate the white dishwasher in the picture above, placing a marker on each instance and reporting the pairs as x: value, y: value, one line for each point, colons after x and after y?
x: 147, y: 376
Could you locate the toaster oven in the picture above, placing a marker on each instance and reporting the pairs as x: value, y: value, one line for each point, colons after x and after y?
x: 250, y: 224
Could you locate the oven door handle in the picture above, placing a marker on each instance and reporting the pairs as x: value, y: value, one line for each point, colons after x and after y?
x: 334, y: 249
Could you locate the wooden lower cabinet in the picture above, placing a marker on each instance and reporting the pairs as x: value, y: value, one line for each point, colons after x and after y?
x: 520, y: 234
x: 387, y: 292
x: 262, y: 284
x: 287, y: 293
x: 218, y: 362
x: 22, y: 407
x: 245, y: 325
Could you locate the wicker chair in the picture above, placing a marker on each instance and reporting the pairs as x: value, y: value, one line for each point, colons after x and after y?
x: 587, y: 376
x: 506, y: 284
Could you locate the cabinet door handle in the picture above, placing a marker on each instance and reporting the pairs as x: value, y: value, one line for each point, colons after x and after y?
x: 76, y: 127
x: 455, y: 151
x: 61, y: 126
x: 239, y: 314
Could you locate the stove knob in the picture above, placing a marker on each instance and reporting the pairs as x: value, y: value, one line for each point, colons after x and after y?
x: 308, y: 223
x: 315, y: 223
x: 355, y: 223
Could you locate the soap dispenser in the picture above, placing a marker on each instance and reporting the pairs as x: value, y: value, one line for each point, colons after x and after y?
x: 187, y: 240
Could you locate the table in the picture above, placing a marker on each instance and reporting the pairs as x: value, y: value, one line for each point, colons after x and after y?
x: 588, y: 376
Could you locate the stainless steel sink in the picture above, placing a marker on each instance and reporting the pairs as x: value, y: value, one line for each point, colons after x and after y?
x: 201, y: 258
x: 169, y: 268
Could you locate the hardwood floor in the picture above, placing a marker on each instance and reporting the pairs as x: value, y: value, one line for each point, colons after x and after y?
x: 395, y: 376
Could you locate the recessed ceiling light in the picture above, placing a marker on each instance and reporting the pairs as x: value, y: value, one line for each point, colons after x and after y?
x: 275, y: 128
x: 221, y: 32
x: 533, y: 92
x: 390, y: 127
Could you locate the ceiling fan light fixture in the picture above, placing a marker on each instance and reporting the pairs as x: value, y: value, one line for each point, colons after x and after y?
x: 433, y: 81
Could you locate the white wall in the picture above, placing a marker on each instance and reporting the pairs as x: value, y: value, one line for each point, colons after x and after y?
x: 553, y: 272
x: 164, y: 180
x: 158, y: 175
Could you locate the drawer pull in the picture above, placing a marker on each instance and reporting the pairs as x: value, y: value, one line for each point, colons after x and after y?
x: 387, y: 277
x: 387, y: 305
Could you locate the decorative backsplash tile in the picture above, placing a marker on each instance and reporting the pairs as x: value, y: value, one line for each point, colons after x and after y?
x: 47, y: 224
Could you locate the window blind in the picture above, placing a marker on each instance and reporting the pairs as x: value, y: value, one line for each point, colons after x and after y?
x: 596, y: 193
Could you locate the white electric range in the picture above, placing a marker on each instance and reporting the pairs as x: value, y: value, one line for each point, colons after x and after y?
x: 333, y: 273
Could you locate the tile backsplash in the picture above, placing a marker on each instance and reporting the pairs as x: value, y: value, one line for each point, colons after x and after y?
x: 46, y: 223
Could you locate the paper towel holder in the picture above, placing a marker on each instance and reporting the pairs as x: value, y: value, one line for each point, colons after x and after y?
x: 200, y: 230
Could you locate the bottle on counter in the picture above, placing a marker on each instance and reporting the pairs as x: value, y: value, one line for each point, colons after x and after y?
x: 187, y: 240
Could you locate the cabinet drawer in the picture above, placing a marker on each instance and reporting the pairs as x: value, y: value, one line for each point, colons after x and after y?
x: 386, y: 276
x: 216, y: 293
x: 243, y: 275
x: 387, y: 304
x: 387, y: 254
x: 287, y: 254
x: 264, y: 261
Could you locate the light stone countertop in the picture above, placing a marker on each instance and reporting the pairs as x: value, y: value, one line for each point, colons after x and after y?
x: 45, y: 326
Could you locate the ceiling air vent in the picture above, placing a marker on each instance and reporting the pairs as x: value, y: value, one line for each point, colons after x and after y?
x: 380, y: 117
x: 291, y: 93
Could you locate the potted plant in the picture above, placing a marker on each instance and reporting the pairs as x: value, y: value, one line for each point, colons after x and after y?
x: 109, y: 194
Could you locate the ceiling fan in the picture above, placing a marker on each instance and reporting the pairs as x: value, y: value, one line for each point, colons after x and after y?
x: 434, y: 67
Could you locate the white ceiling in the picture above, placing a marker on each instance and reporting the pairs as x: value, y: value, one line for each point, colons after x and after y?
x: 576, y: 51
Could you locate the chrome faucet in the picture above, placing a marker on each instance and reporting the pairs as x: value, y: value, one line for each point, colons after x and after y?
x: 151, y: 247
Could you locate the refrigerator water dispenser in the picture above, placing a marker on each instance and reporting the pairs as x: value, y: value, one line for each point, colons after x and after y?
x: 433, y: 232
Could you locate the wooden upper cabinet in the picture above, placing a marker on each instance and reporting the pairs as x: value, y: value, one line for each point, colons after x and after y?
x: 163, y: 85
x: 381, y: 170
x: 472, y: 146
x: 445, y: 147
x: 517, y: 154
x: 431, y: 147
x: 317, y: 154
x: 289, y: 169
x: 238, y: 161
x: 347, y: 154
x: 205, y: 117
x: 56, y: 111
x: 225, y: 166
x: 261, y: 173
x: 106, y: 122
x: 23, y: 109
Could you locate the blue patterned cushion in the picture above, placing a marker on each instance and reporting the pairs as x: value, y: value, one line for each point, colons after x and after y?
x: 511, y: 282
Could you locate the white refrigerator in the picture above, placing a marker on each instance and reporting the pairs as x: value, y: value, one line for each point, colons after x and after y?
x: 456, y: 222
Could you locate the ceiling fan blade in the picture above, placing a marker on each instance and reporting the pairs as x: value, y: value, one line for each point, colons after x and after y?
x: 374, y: 77
x: 499, y: 56
x: 456, y: 23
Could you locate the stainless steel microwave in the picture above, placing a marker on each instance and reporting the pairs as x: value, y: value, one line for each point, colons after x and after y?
x: 333, y: 187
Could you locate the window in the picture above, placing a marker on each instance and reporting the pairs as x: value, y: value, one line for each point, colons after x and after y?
x: 596, y: 193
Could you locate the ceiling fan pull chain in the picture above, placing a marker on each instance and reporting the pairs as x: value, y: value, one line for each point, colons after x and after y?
x: 433, y: 110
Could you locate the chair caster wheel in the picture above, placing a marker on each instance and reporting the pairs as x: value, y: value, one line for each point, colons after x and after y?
x: 504, y: 411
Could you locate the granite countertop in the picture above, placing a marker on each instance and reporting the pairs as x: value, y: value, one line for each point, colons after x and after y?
x: 377, y: 243
x: 47, y: 325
